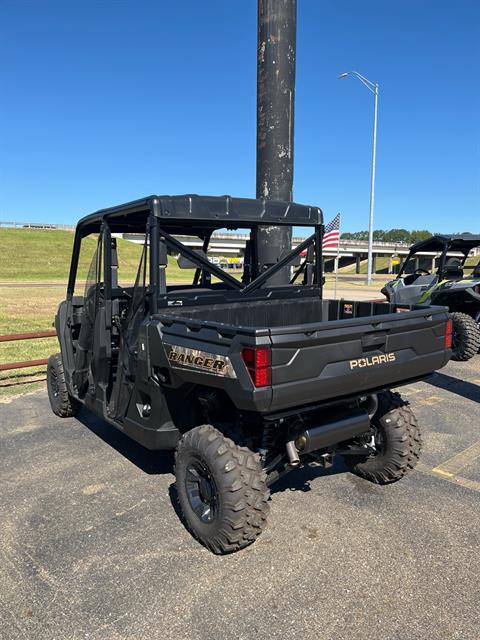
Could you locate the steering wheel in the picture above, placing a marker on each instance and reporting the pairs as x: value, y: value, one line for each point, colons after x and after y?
x: 421, y: 272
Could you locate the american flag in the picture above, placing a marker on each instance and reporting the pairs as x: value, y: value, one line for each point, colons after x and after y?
x: 331, y: 236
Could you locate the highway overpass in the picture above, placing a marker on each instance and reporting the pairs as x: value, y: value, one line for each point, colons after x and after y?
x: 351, y: 251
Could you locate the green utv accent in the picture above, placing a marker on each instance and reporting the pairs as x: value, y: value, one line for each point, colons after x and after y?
x: 446, y: 284
x: 429, y: 292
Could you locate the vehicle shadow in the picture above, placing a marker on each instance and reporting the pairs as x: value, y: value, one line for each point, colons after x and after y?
x: 462, y: 388
x: 151, y: 462
x: 173, y: 496
x: 300, y: 479
x: 162, y: 462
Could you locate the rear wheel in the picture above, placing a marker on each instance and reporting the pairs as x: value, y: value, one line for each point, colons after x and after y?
x: 221, y: 490
x: 62, y: 403
x: 395, y: 443
x: 465, y: 338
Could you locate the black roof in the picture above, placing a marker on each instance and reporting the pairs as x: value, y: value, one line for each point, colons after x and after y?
x: 200, y: 213
x: 462, y: 242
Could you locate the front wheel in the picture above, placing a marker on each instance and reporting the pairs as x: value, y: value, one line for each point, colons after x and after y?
x: 221, y: 490
x: 465, y: 338
x: 395, y: 442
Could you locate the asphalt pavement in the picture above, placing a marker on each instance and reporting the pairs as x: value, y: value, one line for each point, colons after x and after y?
x: 91, y: 545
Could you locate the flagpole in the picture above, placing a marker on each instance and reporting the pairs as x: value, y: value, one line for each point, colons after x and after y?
x: 337, y: 260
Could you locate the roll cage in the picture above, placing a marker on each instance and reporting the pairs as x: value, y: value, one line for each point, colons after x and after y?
x: 444, y: 245
x: 160, y: 217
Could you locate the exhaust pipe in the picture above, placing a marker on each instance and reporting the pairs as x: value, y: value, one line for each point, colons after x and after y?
x: 326, y: 435
x: 292, y: 453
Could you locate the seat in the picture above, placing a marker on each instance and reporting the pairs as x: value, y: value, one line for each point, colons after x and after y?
x: 453, y: 269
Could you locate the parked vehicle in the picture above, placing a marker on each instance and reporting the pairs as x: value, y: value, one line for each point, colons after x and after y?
x: 243, y: 379
x: 452, y: 284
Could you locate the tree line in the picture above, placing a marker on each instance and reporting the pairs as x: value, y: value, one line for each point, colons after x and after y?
x: 390, y: 235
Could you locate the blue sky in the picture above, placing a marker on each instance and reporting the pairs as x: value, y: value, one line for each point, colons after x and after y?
x: 103, y: 102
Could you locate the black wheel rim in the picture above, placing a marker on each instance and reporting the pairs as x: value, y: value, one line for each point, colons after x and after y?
x: 201, y: 491
x: 54, y: 383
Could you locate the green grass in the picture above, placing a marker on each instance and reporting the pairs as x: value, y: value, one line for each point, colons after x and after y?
x: 28, y: 254
x: 33, y: 255
x: 26, y: 309
x: 470, y: 264
x: 381, y: 263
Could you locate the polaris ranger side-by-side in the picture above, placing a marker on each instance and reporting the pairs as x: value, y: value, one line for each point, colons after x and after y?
x: 244, y: 379
x: 452, y: 284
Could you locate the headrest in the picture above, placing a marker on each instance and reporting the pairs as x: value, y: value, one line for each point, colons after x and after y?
x: 453, y: 263
x: 184, y: 263
x: 453, y: 268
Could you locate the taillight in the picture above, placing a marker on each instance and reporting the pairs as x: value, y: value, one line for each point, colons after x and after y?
x: 448, y: 334
x: 258, y: 361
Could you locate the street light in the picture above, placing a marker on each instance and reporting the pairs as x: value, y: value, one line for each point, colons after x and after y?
x: 374, y: 89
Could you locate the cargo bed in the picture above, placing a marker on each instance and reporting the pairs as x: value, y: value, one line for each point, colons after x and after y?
x: 320, y: 349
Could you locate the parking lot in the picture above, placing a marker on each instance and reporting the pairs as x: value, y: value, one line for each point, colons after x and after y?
x: 91, y: 546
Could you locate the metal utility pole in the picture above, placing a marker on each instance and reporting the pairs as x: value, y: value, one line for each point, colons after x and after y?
x: 277, y: 23
x: 373, y: 87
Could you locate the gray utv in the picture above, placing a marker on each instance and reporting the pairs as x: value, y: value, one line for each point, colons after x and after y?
x: 449, y: 282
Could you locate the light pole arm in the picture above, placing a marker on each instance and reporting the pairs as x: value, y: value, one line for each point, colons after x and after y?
x: 370, y: 85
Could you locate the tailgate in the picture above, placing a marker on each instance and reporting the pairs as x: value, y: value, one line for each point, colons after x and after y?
x: 346, y: 357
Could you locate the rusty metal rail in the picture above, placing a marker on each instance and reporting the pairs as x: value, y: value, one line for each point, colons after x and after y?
x: 33, y: 335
